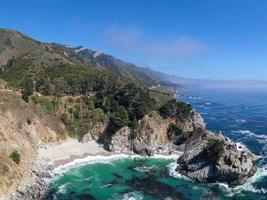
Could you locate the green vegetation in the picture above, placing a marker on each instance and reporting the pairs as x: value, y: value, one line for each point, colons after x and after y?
x: 175, y: 109
x: 47, y: 105
x: 120, y: 106
x: 173, y: 131
x: 27, y: 91
x: 214, y: 148
x: 100, y: 88
x: 15, y: 156
x: 126, y: 106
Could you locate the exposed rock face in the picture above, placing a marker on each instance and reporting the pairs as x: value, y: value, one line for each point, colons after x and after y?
x: 95, y: 132
x: 35, y: 185
x: 120, y: 141
x: 152, y: 135
x: 22, y: 129
x: 215, y: 158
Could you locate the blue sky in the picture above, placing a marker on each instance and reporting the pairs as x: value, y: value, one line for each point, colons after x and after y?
x: 218, y: 39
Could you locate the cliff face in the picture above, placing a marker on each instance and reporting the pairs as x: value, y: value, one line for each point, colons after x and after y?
x: 208, y: 157
x: 21, y: 130
x: 153, y: 134
x: 215, y: 158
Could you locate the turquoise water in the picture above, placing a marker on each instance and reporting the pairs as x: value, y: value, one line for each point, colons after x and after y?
x: 240, y: 115
x: 131, y: 178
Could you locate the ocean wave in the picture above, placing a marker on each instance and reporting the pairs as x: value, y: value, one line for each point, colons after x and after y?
x: 195, y: 98
x: 260, y: 138
x: 62, y: 188
x: 91, y: 160
x: 173, y: 173
x: 133, y: 196
x: 58, y: 171
x: 251, y: 134
x: 167, y: 157
x: 241, y: 121
x: 204, y: 113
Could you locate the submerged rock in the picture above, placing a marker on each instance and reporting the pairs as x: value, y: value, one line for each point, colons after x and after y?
x: 214, y: 158
x: 149, y: 185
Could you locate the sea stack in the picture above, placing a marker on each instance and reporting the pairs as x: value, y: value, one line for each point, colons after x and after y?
x: 214, y: 158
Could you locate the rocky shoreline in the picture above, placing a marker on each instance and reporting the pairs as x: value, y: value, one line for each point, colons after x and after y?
x: 35, y: 184
x: 215, y: 158
x: 204, y: 156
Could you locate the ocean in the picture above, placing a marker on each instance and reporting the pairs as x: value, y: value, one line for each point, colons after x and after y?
x: 240, y: 114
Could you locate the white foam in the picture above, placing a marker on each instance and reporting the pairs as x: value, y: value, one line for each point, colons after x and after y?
x: 90, y: 160
x: 251, y: 134
x: 167, y: 157
x: 133, y: 196
x: 240, y: 146
x: 172, y: 171
x: 144, y: 169
x: 103, y: 159
x: 62, y: 189
x: 195, y: 98
x: 248, y: 186
x: 240, y: 121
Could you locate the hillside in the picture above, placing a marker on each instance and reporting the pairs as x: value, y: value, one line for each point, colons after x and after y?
x: 101, y: 60
x: 22, y: 128
x: 23, y: 58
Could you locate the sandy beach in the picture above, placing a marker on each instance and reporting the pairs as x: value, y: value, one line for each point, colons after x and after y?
x: 69, y: 150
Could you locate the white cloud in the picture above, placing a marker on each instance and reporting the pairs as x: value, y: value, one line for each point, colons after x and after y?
x: 135, y: 41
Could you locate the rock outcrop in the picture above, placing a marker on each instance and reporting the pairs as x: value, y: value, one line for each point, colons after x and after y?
x: 95, y: 132
x: 121, y: 142
x: 152, y: 134
x: 214, y: 158
x: 35, y: 185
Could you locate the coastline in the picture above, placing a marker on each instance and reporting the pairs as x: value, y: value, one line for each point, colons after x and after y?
x: 68, y: 150
x: 54, y: 158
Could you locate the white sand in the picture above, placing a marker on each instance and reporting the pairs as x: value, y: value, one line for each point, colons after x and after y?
x: 71, y: 148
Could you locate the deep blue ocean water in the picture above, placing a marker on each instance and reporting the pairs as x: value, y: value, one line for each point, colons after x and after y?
x: 239, y: 114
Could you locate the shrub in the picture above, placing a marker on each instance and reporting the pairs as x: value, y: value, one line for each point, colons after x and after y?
x: 15, y: 156
x: 48, y: 106
x: 29, y: 121
x: 175, y: 109
x: 173, y: 131
x: 214, y: 148
x: 119, y: 119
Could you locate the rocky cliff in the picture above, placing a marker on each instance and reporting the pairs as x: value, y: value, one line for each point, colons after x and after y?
x: 214, y: 158
x: 153, y: 134
x: 22, y: 129
x: 208, y: 157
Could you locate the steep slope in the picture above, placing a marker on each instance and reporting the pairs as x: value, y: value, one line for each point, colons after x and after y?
x: 56, y: 69
x: 22, y: 129
x: 26, y: 63
x: 102, y: 60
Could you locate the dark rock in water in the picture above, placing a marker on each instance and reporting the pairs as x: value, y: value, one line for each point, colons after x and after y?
x: 87, y: 197
x: 149, y: 185
x: 214, y: 158
x: 115, y: 174
x: 164, y: 173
